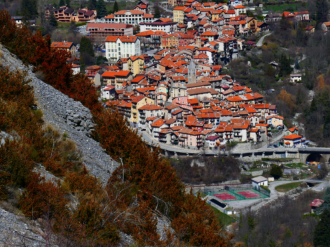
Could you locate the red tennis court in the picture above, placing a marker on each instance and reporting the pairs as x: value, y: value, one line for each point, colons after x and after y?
x: 248, y: 194
x: 225, y: 196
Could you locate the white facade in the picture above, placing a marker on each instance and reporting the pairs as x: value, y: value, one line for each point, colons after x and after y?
x: 133, y: 17
x: 122, y: 49
x: 167, y: 28
x: 295, y: 77
x: 257, y: 181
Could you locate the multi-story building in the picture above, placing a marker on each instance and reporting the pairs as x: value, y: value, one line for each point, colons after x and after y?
x: 122, y: 46
x: 159, y: 25
x: 178, y: 14
x: 137, y: 103
x: 85, y: 15
x: 102, y: 30
x: 64, y: 14
x: 133, y: 17
x: 135, y: 64
x: 67, y: 46
x: 147, y: 111
x: 170, y: 41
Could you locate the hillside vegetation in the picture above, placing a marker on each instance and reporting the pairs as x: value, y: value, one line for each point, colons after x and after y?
x: 77, y: 207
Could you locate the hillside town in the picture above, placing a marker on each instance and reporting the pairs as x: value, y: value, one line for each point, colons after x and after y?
x: 167, y: 79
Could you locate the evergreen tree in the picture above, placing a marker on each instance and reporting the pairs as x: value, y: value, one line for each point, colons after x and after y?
x: 322, y: 230
x: 270, y: 71
x: 52, y: 20
x: 285, y: 67
x: 82, y: 65
x: 101, y: 9
x: 28, y: 9
x: 115, y: 7
x: 276, y: 171
x: 86, y: 46
x: 313, y: 106
x: 61, y: 3
x: 92, y: 5
x: 67, y: 3
x: 296, y: 64
x: 322, y: 9
x: 157, y: 12
x: 300, y: 97
x: 326, y: 126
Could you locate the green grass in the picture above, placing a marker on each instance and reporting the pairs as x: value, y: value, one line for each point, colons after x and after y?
x: 295, y: 165
x: 282, y: 7
x: 223, y: 218
x: 287, y: 187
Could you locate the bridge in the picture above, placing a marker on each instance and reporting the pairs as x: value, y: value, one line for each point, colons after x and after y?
x: 302, y: 155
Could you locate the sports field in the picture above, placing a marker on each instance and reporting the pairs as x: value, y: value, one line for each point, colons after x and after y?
x: 235, y: 195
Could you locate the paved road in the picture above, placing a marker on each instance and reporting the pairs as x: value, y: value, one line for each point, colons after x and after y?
x: 261, y: 40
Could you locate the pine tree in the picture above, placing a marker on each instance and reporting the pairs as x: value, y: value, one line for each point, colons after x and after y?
x: 28, y: 9
x: 115, y: 7
x: 326, y: 126
x: 92, y: 4
x: 82, y: 65
x: 67, y: 3
x: 52, y: 20
x: 86, y: 46
x: 296, y: 64
x: 322, y: 230
x: 101, y: 9
x: 300, y: 97
x: 157, y: 12
x: 322, y: 9
x: 61, y: 3
x: 276, y: 171
x: 313, y: 106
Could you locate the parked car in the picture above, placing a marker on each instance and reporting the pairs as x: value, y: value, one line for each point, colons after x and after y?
x: 275, y: 146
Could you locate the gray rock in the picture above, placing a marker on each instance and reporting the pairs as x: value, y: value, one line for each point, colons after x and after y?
x: 67, y: 116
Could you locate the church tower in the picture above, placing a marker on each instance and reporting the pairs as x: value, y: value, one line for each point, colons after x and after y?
x: 191, y: 72
x: 198, y: 42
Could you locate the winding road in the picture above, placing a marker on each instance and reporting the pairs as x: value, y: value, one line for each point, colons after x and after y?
x: 261, y: 40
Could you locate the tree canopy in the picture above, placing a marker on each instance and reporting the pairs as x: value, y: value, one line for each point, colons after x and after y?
x: 322, y: 230
x: 101, y: 9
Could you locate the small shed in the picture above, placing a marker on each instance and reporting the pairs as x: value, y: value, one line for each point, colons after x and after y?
x: 260, y: 180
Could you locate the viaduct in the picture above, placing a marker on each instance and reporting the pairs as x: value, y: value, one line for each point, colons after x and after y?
x: 302, y: 155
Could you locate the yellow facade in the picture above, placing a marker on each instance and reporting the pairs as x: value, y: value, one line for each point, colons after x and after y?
x: 136, y: 106
x: 135, y: 65
x: 178, y: 16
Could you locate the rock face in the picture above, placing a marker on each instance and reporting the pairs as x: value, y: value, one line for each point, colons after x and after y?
x: 67, y: 116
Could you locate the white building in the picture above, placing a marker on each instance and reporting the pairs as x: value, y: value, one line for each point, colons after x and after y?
x: 147, y: 111
x: 108, y: 92
x: 122, y: 47
x: 295, y: 77
x: 75, y: 69
x: 159, y: 25
x: 260, y: 180
x: 133, y: 17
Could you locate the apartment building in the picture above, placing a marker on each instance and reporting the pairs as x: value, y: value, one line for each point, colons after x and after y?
x: 135, y: 64
x: 67, y: 46
x: 102, y: 30
x: 178, y: 14
x: 122, y: 47
x: 132, y: 17
x: 159, y: 25
x: 137, y: 103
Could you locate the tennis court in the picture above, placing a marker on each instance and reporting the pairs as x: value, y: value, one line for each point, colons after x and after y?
x: 238, y: 194
x: 248, y: 194
x: 225, y: 196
